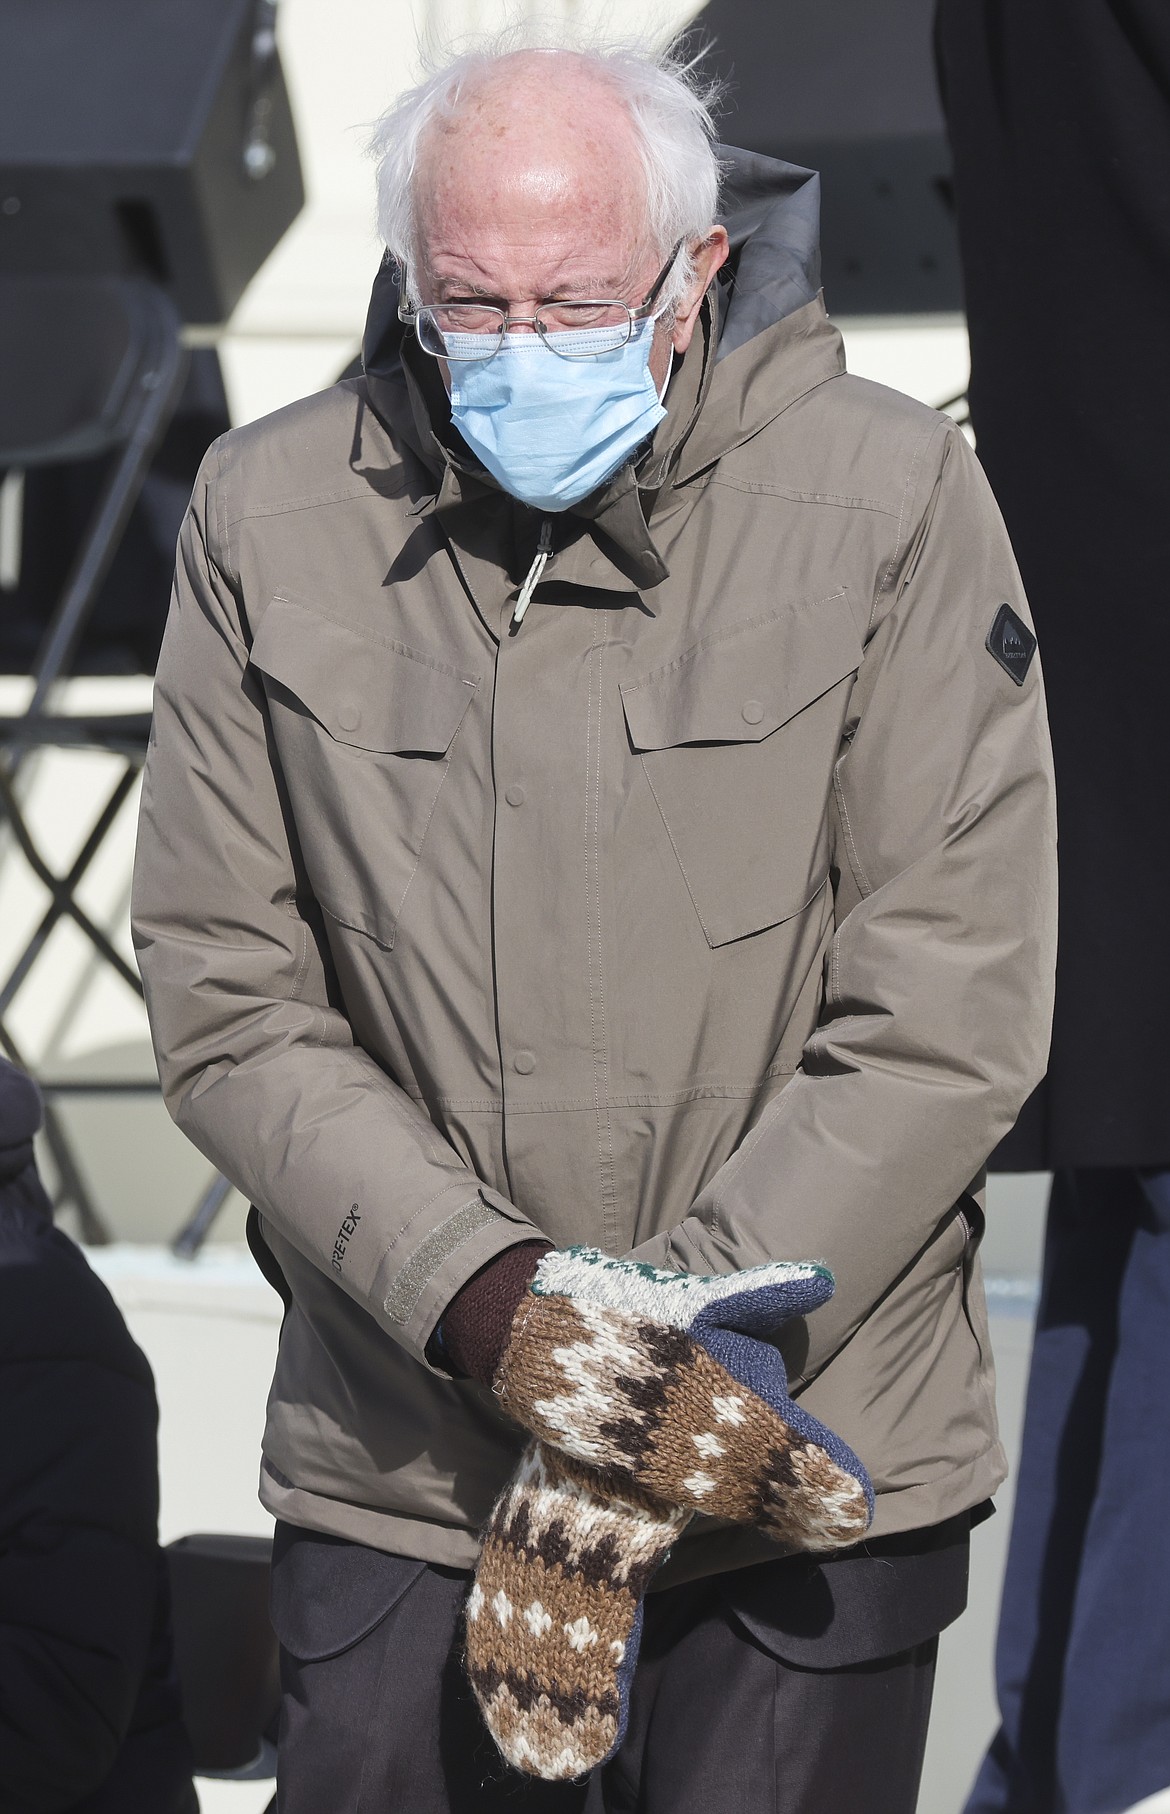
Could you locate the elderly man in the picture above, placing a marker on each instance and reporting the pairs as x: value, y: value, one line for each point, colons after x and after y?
x: 595, y: 890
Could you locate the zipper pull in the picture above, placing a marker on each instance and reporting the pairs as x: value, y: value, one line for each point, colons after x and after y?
x: 539, y: 563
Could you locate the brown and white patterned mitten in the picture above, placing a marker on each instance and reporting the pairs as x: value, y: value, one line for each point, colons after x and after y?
x: 667, y: 1385
x: 554, y: 1619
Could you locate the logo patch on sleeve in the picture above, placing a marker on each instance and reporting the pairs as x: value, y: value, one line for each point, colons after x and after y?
x: 1012, y: 643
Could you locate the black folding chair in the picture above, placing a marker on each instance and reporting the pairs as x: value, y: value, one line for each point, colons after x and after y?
x: 92, y: 365
x: 226, y: 1653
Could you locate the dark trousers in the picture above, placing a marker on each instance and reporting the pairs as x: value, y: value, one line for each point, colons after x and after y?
x: 1083, y: 1662
x: 728, y: 1711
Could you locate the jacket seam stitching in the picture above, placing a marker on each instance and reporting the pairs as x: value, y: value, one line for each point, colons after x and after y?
x: 819, y: 1034
x: 315, y: 501
x: 909, y: 490
x: 422, y: 1209
x: 678, y: 857
x: 588, y: 1104
x: 298, y: 980
x: 221, y: 522
x: 855, y: 863
x: 720, y: 636
x: 595, y: 951
x: 839, y: 500
x: 911, y: 476
x: 292, y: 909
x: 392, y: 643
x: 222, y: 556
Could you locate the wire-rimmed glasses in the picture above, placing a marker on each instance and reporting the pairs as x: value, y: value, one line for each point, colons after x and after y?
x: 477, y: 330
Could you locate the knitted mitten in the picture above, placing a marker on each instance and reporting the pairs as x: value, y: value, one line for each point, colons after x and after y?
x: 555, y: 1616
x: 659, y: 1380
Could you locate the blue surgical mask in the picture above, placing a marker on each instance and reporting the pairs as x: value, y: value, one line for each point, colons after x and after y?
x: 551, y: 430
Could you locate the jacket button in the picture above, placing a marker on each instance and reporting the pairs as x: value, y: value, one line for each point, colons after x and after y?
x: 753, y: 711
x: 515, y: 795
x: 349, y: 717
x: 525, y: 1062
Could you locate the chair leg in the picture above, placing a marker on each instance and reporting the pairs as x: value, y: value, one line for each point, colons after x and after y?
x: 62, y: 888
x: 159, y: 391
x: 195, y: 1231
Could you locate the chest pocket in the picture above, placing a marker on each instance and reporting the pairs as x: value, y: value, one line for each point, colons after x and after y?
x: 738, y: 737
x: 363, y: 726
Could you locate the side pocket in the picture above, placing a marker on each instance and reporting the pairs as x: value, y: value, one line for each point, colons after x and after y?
x: 830, y: 1612
x: 327, y: 1595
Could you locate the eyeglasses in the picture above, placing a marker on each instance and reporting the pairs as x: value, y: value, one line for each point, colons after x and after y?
x: 477, y: 330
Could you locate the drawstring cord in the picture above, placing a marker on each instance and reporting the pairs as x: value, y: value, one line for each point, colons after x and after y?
x: 539, y: 563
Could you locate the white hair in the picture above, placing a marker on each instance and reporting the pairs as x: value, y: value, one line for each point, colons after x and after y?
x: 670, y: 103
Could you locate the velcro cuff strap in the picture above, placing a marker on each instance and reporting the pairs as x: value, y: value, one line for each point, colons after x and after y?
x: 423, y: 1264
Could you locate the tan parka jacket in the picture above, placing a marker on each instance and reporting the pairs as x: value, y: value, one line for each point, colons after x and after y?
x: 707, y: 915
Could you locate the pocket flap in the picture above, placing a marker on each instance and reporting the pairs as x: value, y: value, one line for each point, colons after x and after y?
x: 366, y: 690
x: 328, y: 1594
x: 740, y: 686
x: 837, y: 1612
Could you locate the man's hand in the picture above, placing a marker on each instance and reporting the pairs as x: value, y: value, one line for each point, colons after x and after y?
x: 661, y: 1382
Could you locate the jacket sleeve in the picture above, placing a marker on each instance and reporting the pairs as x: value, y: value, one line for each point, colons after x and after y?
x: 939, y: 977
x: 259, y: 1067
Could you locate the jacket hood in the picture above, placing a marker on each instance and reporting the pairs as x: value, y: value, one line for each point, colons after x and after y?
x: 772, y: 212
x: 762, y: 340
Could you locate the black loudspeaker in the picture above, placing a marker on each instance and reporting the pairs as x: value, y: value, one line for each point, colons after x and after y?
x: 847, y: 87
x: 145, y: 137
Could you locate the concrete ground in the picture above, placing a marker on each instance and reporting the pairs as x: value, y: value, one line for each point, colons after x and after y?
x: 210, y: 1330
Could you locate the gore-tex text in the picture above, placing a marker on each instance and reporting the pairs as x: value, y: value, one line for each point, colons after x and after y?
x: 344, y: 1235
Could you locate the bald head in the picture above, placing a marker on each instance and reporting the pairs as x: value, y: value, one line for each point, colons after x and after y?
x: 533, y: 185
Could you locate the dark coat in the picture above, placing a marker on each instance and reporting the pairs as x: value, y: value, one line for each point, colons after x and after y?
x: 1060, y: 127
x: 89, y: 1714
